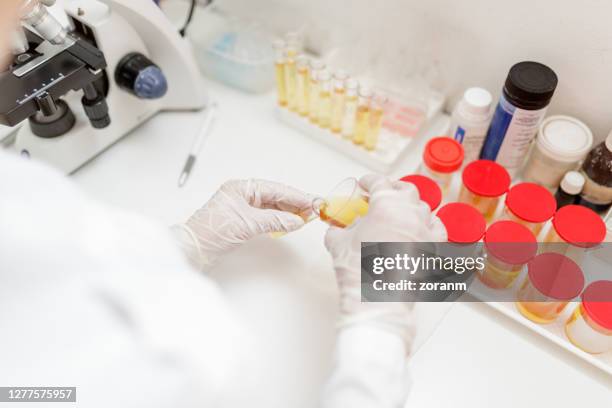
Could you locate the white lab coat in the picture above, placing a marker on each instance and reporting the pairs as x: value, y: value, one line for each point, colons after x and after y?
x: 88, y: 298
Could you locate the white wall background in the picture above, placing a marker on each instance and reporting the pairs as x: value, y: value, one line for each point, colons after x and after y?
x: 458, y: 43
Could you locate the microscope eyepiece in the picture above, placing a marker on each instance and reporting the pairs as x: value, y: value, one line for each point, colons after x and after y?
x: 34, y: 13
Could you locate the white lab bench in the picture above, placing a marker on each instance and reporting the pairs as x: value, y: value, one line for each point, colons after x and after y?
x: 284, y: 289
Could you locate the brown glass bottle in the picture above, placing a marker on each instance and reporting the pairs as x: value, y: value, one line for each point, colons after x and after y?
x: 597, y: 170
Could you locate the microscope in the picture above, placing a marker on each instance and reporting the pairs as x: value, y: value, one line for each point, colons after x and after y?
x: 85, y: 73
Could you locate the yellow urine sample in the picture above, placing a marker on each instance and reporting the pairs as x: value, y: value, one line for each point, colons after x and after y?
x: 497, y: 277
x: 291, y: 83
x: 349, y: 116
x: 313, y: 100
x: 302, y: 91
x: 281, y: 85
x: 541, y: 312
x: 487, y: 206
x: 371, y: 140
x: 343, y: 211
x: 337, y: 110
x: 362, y: 124
x: 324, y: 119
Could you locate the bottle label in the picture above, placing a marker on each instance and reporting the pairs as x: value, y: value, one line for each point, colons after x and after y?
x: 471, y: 140
x: 512, y: 131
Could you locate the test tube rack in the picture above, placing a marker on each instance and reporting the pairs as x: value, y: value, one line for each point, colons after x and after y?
x: 391, y: 146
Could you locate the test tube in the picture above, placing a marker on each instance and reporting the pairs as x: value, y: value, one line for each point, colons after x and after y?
x: 350, y: 108
x: 376, y: 117
x: 337, y: 108
x: 324, y: 116
x: 291, y: 76
x: 313, y: 90
x: 362, y: 121
x: 302, y: 85
x: 279, y: 66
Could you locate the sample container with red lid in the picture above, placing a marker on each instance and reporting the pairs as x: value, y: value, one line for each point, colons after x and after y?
x: 574, y: 229
x: 508, y: 246
x: 484, y: 182
x: 552, y: 281
x: 465, y: 227
x: 429, y: 191
x: 531, y: 205
x: 590, y: 326
x: 442, y: 157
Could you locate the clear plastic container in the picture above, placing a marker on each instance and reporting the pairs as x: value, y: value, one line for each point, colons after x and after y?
x: 429, y: 191
x: 442, y: 157
x: 508, y: 246
x: 531, y: 205
x: 236, y: 53
x: 575, y: 229
x: 590, y: 326
x: 343, y: 205
x: 561, y: 144
x: 552, y: 281
x: 484, y: 183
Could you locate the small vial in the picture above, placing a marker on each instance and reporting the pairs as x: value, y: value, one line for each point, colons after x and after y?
x: 324, y: 108
x: 376, y: 117
x: 552, y: 281
x: 508, y: 246
x: 362, y: 121
x: 531, y: 205
x: 590, y: 326
x: 570, y: 188
x: 350, y: 108
x: 484, y: 182
x: 302, y: 85
x: 291, y: 77
x: 338, y: 101
x: 313, y: 90
x: 279, y: 67
x: 442, y: 157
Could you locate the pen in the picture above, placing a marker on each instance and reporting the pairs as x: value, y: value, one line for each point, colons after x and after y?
x: 197, y: 145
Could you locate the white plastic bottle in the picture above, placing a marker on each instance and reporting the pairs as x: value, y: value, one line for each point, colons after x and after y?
x: 470, y: 121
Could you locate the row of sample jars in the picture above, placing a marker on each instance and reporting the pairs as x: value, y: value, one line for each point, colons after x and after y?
x: 332, y: 101
x: 552, y: 281
x: 562, y: 143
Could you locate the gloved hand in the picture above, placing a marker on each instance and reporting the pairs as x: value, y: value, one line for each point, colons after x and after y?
x: 239, y: 211
x: 396, y: 214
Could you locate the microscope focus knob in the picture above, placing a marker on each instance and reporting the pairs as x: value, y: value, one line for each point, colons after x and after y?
x: 141, y: 77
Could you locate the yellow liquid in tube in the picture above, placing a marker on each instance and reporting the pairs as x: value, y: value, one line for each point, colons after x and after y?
x: 337, y: 110
x: 291, y: 81
x: 343, y: 211
x: 303, y: 104
x: 371, y: 140
x: 362, y: 124
x: 349, y: 116
x: 281, y: 84
x: 313, y: 96
x: 324, y: 119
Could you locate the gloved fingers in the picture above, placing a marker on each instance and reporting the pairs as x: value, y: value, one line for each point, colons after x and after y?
x: 269, y: 194
x: 375, y: 183
x: 334, y: 237
x: 278, y: 221
x: 438, y: 230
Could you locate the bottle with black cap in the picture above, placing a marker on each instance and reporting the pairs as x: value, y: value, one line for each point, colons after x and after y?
x: 527, y: 92
x: 597, y: 170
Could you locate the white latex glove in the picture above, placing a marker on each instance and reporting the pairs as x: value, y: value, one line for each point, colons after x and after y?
x: 239, y: 211
x: 396, y: 214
